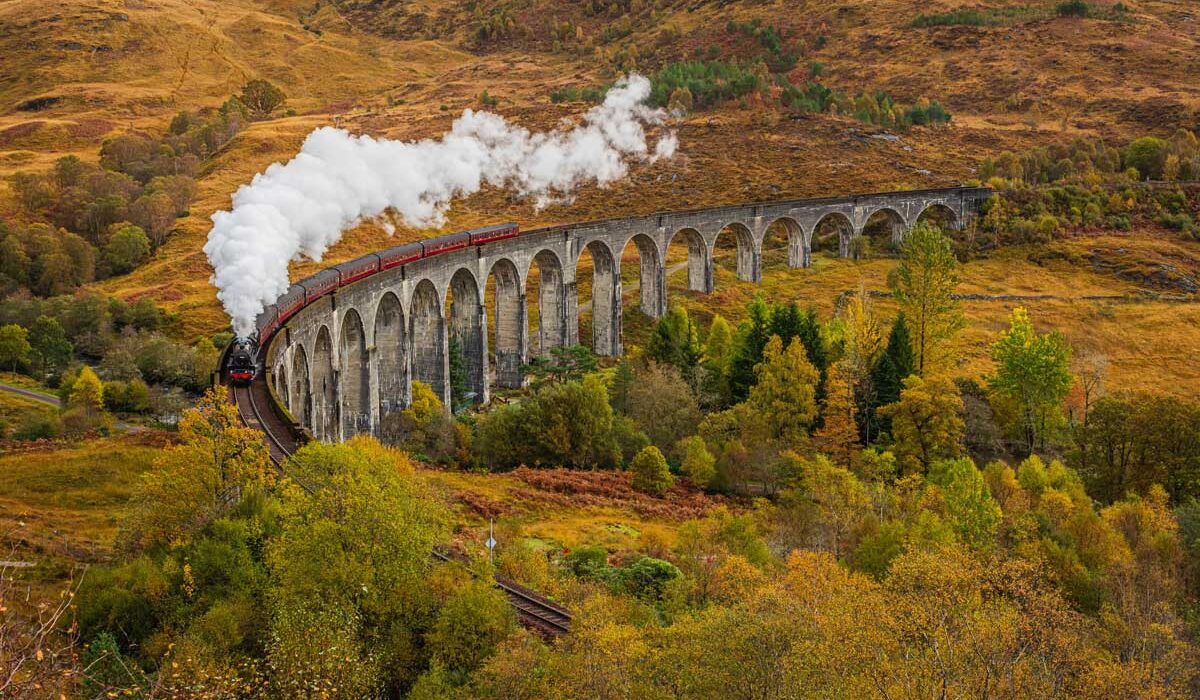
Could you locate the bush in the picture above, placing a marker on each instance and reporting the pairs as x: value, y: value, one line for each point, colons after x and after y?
x: 698, y: 463
x: 566, y: 424
x: 424, y: 429
x: 108, y: 668
x: 650, y: 472
x: 944, y: 19
x: 647, y: 577
x: 470, y: 625
x: 809, y: 97
x: 574, y: 94
x: 681, y: 101
x: 79, y: 422
x: 38, y: 425
x: 1120, y: 222
x: 1179, y: 222
x: 132, y: 396
x: 588, y: 562
x: 1073, y: 8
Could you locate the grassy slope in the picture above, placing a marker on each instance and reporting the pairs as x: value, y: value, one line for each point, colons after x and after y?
x: 65, y: 503
x: 1146, y: 342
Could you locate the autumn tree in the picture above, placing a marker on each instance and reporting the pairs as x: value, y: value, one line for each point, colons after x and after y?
x: 835, y: 499
x: 473, y: 621
x: 14, y: 346
x: 1148, y: 154
x: 1032, y: 374
x: 650, y: 472
x: 181, y: 190
x: 926, y: 423
x: 924, y: 285
x: 155, y: 213
x: 970, y: 509
x: 662, y: 404
x: 718, y: 354
x: 350, y: 598
x: 562, y: 424
x: 423, y: 428
x: 126, y: 249
x: 698, y: 463
x: 862, y: 344
x: 14, y: 261
x: 261, y: 97
x: 48, y: 344
x: 784, y: 395
x: 217, y: 463
x: 86, y: 393
x: 838, y: 434
x: 1131, y: 442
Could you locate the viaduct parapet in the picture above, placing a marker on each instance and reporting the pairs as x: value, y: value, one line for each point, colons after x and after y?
x: 346, y: 362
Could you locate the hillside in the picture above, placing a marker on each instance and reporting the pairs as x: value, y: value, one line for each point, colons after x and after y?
x: 79, y: 73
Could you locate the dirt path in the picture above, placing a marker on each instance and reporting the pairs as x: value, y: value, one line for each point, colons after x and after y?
x: 1115, y: 298
x: 34, y: 395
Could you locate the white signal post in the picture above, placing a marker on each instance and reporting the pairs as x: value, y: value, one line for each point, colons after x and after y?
x: 491, y: 540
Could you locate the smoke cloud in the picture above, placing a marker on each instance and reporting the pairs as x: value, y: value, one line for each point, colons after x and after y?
x: 299, y: 209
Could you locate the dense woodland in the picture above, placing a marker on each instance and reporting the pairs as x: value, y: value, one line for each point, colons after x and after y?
x: 82, y: 222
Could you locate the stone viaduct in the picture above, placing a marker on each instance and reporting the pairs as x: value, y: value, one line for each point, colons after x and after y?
x: 345, y: 362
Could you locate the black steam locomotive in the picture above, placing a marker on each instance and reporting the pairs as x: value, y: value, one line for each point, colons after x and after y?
x: 242, y: 367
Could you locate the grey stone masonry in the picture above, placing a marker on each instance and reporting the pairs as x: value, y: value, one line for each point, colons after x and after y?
x: 346, y: 363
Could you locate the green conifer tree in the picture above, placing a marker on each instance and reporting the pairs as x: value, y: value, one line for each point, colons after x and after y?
x: 752, y: 336
x: 896, y: 364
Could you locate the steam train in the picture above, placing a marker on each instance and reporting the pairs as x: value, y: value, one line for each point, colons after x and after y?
x: 241, y: 361
x: 242, y: 357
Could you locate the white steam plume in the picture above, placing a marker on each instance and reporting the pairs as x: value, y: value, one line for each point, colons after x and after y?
x: 300, y: 208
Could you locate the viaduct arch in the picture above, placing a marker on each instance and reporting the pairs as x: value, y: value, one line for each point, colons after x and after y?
x: 345, y: 363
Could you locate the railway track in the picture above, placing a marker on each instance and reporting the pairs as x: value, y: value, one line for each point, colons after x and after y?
x: 256, y: 408
x: 253, y: 402
x: 533, y: 610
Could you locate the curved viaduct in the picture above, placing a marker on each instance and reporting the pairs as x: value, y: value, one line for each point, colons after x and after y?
x: 345, y: 362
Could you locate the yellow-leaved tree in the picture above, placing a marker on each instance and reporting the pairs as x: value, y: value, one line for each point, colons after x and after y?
x: 194, y: 483
x: 838, y: 434
x: 785, y: 398
x: 927, y: 423
x: 84, y: 410
x: 924, y: 285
